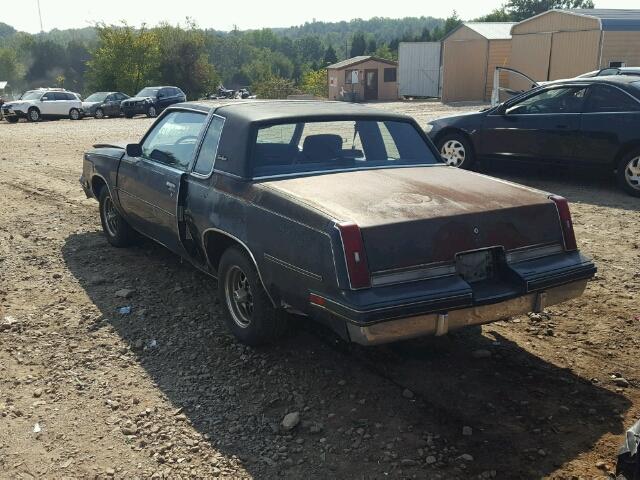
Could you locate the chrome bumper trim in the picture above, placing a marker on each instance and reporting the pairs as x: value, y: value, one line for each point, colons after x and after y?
x: 442, y: 323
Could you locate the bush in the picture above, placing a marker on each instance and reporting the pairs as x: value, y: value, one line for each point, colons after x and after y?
x: 274, y: 87
x: 314, y: 82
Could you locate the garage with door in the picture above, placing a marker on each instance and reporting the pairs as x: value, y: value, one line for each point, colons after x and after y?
x: 567, y: 43
x: 469, y: 56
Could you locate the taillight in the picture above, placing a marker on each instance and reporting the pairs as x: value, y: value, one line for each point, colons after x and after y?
x: 565, y: 221
x: 354, y: 255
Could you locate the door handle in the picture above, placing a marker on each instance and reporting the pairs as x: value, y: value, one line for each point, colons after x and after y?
x: 171, y: 186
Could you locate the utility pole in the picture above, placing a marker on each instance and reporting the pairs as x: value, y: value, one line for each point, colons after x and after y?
x: 40, y: 15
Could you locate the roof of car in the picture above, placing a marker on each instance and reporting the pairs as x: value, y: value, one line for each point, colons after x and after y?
x: 616, y: 79
x: 269, y: 110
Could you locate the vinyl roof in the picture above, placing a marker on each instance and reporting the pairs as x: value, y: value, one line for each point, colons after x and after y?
x: 349, y: 62
x: 270, y: 110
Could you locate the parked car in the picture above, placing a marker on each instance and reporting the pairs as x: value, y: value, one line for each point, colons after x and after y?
x: 588, y: 122
x: 44, y: 103
x: 339, y: 212
x: 151, y: 101
x: 103, y: 104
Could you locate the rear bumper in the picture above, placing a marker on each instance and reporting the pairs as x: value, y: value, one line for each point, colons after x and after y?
x: 442, y: 323
x: 437, y: 305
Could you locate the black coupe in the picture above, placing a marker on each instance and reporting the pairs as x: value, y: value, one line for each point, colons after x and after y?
x: 591, y: 122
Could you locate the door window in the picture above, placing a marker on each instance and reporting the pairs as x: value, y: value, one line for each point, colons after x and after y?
x: 173, y: 140
x: 47, y: 97
x: 209, y: 149
x: 603, y: 98
x: 556, y: 100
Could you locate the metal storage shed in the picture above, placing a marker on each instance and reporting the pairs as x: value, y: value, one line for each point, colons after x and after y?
x: 469, y: 55
x: 566, y: 43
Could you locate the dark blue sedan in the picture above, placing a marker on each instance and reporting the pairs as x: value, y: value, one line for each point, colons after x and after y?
x: 592, y: 122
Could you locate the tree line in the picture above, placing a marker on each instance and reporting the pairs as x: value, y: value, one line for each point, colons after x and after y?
x: 285, y: 60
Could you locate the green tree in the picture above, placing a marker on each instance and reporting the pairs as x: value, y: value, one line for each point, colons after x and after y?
x: 184, y: 60
x: 314, y: 82
x: 10, y: 69
x: 358, y: 44
x: 372, y: 46
x: 451, y: 23
x: 519, y: 10
x: 496, y: 15
x: 330, y: 56
x: 125, y: 59
x: 385, y: 52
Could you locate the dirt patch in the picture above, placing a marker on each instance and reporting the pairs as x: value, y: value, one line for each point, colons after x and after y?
x: 164, y: 391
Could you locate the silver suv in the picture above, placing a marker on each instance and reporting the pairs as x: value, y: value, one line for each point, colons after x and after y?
x: 44, y: 103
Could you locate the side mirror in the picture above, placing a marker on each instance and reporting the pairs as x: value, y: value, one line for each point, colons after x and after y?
x: 160, y: 95
x: 502, y: 110
x: 134, y: 150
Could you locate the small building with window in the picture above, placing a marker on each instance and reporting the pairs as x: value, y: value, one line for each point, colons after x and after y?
x: 566, y: 43
x: 362, y: 79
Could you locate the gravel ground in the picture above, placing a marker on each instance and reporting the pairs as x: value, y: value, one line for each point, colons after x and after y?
x: 165, y: 392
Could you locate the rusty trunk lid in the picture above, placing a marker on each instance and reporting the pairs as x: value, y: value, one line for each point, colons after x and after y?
x: 421, y: 215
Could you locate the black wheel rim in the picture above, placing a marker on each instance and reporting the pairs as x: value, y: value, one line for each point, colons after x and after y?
x: 111, y: 217
x: 238, y: 296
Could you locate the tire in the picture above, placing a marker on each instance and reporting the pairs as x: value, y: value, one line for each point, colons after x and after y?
x: 252, y: 318
x: 456, y: 151
x: 12, y: 119
x: 74, y: 114
x: 118, y: 232
x: 33, y: 115
x: 628, y: 173
x: 152, y: 112
x: 99, y: 114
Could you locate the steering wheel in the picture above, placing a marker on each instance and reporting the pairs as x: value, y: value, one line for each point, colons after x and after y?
x: 535, y: 108
x: 187, y: 137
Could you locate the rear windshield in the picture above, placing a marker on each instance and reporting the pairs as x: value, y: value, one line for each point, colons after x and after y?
x: 292, y: 148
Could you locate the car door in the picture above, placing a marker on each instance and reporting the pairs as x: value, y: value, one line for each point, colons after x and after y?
x: 541, y: 127
x: 118, y: 103
x: 109, y: 106
x: 48, y: 105
x: 164, y: 98
x: 610, y: 119
x: 63, y: 104
x: 149, y: 185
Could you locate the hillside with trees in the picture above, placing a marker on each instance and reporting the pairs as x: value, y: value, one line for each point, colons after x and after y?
x: 281, y: 60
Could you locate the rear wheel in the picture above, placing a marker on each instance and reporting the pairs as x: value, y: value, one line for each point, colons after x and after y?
x: 249, y: 313
x: 456, y: 150
x: 74, y: 114
x: 99, y: 113
x: 33, y: 115
x: 118, y: 232
x: 629, y: 173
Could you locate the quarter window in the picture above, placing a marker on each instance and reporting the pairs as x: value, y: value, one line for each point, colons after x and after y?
x: 208, y: 151
x: 173, y: 140
x: 556, y: 100
x: 608, y: 99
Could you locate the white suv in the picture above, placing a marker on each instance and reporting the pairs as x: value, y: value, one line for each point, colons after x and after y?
x: 44, y: 103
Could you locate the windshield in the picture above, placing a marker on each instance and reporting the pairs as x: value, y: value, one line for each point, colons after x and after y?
x: 147, y: 92
x: 636, y: 85
x: 292, y: 148
x: 31, y: 95
x: 97, y: 97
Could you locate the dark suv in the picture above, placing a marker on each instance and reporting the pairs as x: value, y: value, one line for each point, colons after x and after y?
x: 150, y: 101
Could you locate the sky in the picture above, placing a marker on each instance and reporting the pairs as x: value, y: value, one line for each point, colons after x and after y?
x: 248, y: 14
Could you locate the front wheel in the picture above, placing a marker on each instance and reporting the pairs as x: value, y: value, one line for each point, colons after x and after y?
x: 248, y: 311
x: 152, y: 112
x: 118, y: 232
x: 629, y: 173
x: 33, y: 115
x: 99, y: 113
x: 12, y: 119
x: 456, y: 151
